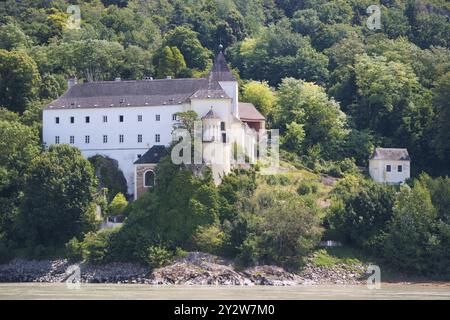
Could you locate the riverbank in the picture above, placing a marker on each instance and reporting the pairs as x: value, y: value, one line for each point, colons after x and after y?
x: 198, y: 269
x: 194, y: 269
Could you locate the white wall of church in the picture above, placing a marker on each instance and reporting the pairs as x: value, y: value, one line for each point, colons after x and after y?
x: 231, y: 88
x: 124, y: 151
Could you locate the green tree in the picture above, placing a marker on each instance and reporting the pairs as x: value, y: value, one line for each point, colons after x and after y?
x: 307, y: 104
x: 19, y: 145
x: 118, y: 205
x: 109, y: 176
x: 359, y: 217
x: 442, y: 106
x: 294, y: 136
x: 261, y: 95
x: 169, y: 215
x: 283, y: 229
x: 58, y: 197
x: 170, y: 62
x: 12, y: 37
x: 19, y: 80
x: 411, y: 237
x: 278, y: 52
x: 186, y: 40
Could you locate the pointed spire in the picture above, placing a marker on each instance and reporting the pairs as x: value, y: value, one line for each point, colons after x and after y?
x: 220, y: 70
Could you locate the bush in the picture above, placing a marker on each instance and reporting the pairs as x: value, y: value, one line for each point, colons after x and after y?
x: 284, y: 229
x: 74, y: 250
x: 413, y: 236
x: 307, y: 187
x: 357, y: 218
x: 59, y: 198
x: 281, y: 180
x: 109, y: 175
x: 118, y: 205
x: 209, y: 239
x: 158, y: 256
x: 96, y: 246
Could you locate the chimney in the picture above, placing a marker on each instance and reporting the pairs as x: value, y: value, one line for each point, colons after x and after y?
x: 71, y: 82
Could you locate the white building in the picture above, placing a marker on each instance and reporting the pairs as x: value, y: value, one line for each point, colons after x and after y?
x: 390, y: 165
x: 125, y: 119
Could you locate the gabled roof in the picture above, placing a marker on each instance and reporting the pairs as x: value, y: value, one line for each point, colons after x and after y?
x: 247, y: 111
x: 106, y: 94
x: 153, y: 155
x: 395, y: 154
x: 128, y: 93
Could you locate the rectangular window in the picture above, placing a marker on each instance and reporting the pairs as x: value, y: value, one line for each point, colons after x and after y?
x: 174, y: 117
x: 140, y: 118
x: 72, y: 139
x: 105, y: 119
x: 88, y: 119
x: 157, y: 138
x: 400, y: 168
x: 105, y: 138
x: 224, y: 138
x: 87, y: 139
x: 57, y: 120
x: 121, y: 138
x: 388, y: 168
x: 57, y: 140
x: 72, y: 119
x: 139, y: 138
x: 158, y: 117
x: 120, y: 118
x: 222, y: 126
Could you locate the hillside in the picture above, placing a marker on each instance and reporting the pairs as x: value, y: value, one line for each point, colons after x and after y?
x: 334, y: 88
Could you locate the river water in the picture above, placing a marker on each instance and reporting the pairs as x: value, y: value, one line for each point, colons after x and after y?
x: 139, y: 292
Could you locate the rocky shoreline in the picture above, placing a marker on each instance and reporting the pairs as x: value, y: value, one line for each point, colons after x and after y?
x: 194, y: 269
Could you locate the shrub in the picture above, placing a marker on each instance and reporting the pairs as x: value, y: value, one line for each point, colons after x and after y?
x: 96, y: 246
x: 209, y: 239
x: 307, y: 187
x: 74, y: 250
x: 59, y: 198
x: 109, y: 175
x: 358, y: 218
x: 284, y: 229
x: 412, y: 236
x: 118, y: 205
x: 158, y: 256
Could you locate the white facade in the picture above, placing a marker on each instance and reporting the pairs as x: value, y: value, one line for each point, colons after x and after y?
x: 120, y: 140
x: 389, y: 171
x: 123, y: 120
x: 125, y: 151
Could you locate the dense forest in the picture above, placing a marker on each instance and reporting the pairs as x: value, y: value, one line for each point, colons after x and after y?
x: 333, y: 86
